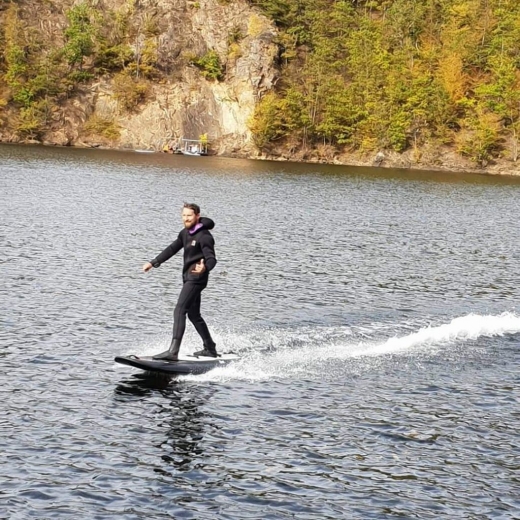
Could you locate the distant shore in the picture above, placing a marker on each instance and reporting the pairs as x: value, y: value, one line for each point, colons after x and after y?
x: 440, y: 159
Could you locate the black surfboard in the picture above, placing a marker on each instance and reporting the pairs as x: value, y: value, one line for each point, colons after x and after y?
x: 185, y: 365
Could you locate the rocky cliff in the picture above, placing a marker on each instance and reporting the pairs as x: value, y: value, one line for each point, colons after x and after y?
x: 180, y: 101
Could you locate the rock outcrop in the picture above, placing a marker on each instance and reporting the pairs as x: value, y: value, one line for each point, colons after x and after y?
x: 180, y: 101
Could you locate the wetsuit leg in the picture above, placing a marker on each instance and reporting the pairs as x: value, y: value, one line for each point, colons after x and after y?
x: 199, y: 323
x: 190, y: 293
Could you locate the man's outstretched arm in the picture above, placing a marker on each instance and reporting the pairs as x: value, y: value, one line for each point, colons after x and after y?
x: 171, y: 250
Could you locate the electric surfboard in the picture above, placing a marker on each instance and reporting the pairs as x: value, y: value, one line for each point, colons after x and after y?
x: 185, y: 365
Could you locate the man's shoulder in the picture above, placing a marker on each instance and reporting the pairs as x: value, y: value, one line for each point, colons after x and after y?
x: 205, y: 233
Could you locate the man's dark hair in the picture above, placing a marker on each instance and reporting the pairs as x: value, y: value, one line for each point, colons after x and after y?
x: 194, y: 207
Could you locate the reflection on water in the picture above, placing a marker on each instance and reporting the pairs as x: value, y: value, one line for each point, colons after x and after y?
x: 375, y: 312
x: 181, y: 413
x: 143, y: 384
x: 124, y: 161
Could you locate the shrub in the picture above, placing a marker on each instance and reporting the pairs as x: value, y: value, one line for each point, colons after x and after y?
x: 234, y: 51
x: 257, y: 25
x: 32, y: 119
x: 209, y: 64
x: 235, y: 35
x: 129, y: 92
x: 266, y: 124
x: 80, y: 76
x: 79, y: 34
x: 113, y: 58
x: 102, y: 126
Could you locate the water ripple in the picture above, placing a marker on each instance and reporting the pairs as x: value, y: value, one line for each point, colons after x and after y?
x: 375, y: 313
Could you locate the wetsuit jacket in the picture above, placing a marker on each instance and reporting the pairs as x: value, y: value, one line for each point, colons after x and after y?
x: 198, y: 244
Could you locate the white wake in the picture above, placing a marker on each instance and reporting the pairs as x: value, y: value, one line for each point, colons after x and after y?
x: 297, y: 352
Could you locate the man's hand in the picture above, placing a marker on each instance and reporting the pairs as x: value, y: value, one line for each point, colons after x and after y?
x: 147, y: 267
x: 199, y: 267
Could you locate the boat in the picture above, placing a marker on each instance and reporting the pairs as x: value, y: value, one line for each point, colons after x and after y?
x: 194, y: 147
x: 193, y: 152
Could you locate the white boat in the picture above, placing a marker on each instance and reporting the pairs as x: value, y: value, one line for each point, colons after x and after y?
x: 194, y: 147
x: 191, y: 152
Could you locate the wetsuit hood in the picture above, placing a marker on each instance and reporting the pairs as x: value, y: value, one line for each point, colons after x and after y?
x: 207, y: 222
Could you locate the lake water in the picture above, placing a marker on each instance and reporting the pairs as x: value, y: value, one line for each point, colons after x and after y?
x: 376, y: 313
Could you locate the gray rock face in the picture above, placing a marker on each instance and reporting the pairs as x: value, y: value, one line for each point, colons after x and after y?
x: 182, y: 103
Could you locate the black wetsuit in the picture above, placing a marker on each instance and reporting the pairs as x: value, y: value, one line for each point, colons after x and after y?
x: 198, y: 244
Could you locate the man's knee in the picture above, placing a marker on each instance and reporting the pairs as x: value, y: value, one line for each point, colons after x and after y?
x: 180, y: 310
x: 194, y: 316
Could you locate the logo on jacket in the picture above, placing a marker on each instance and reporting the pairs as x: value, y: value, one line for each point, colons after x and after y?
x: 193, y: 242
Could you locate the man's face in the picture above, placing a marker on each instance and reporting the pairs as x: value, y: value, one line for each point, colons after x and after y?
x: 189, y: 218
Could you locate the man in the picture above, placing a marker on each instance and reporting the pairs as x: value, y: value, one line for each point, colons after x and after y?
x: 199, y: 260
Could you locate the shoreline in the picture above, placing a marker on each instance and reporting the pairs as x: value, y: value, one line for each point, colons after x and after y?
x: 392, y: 160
